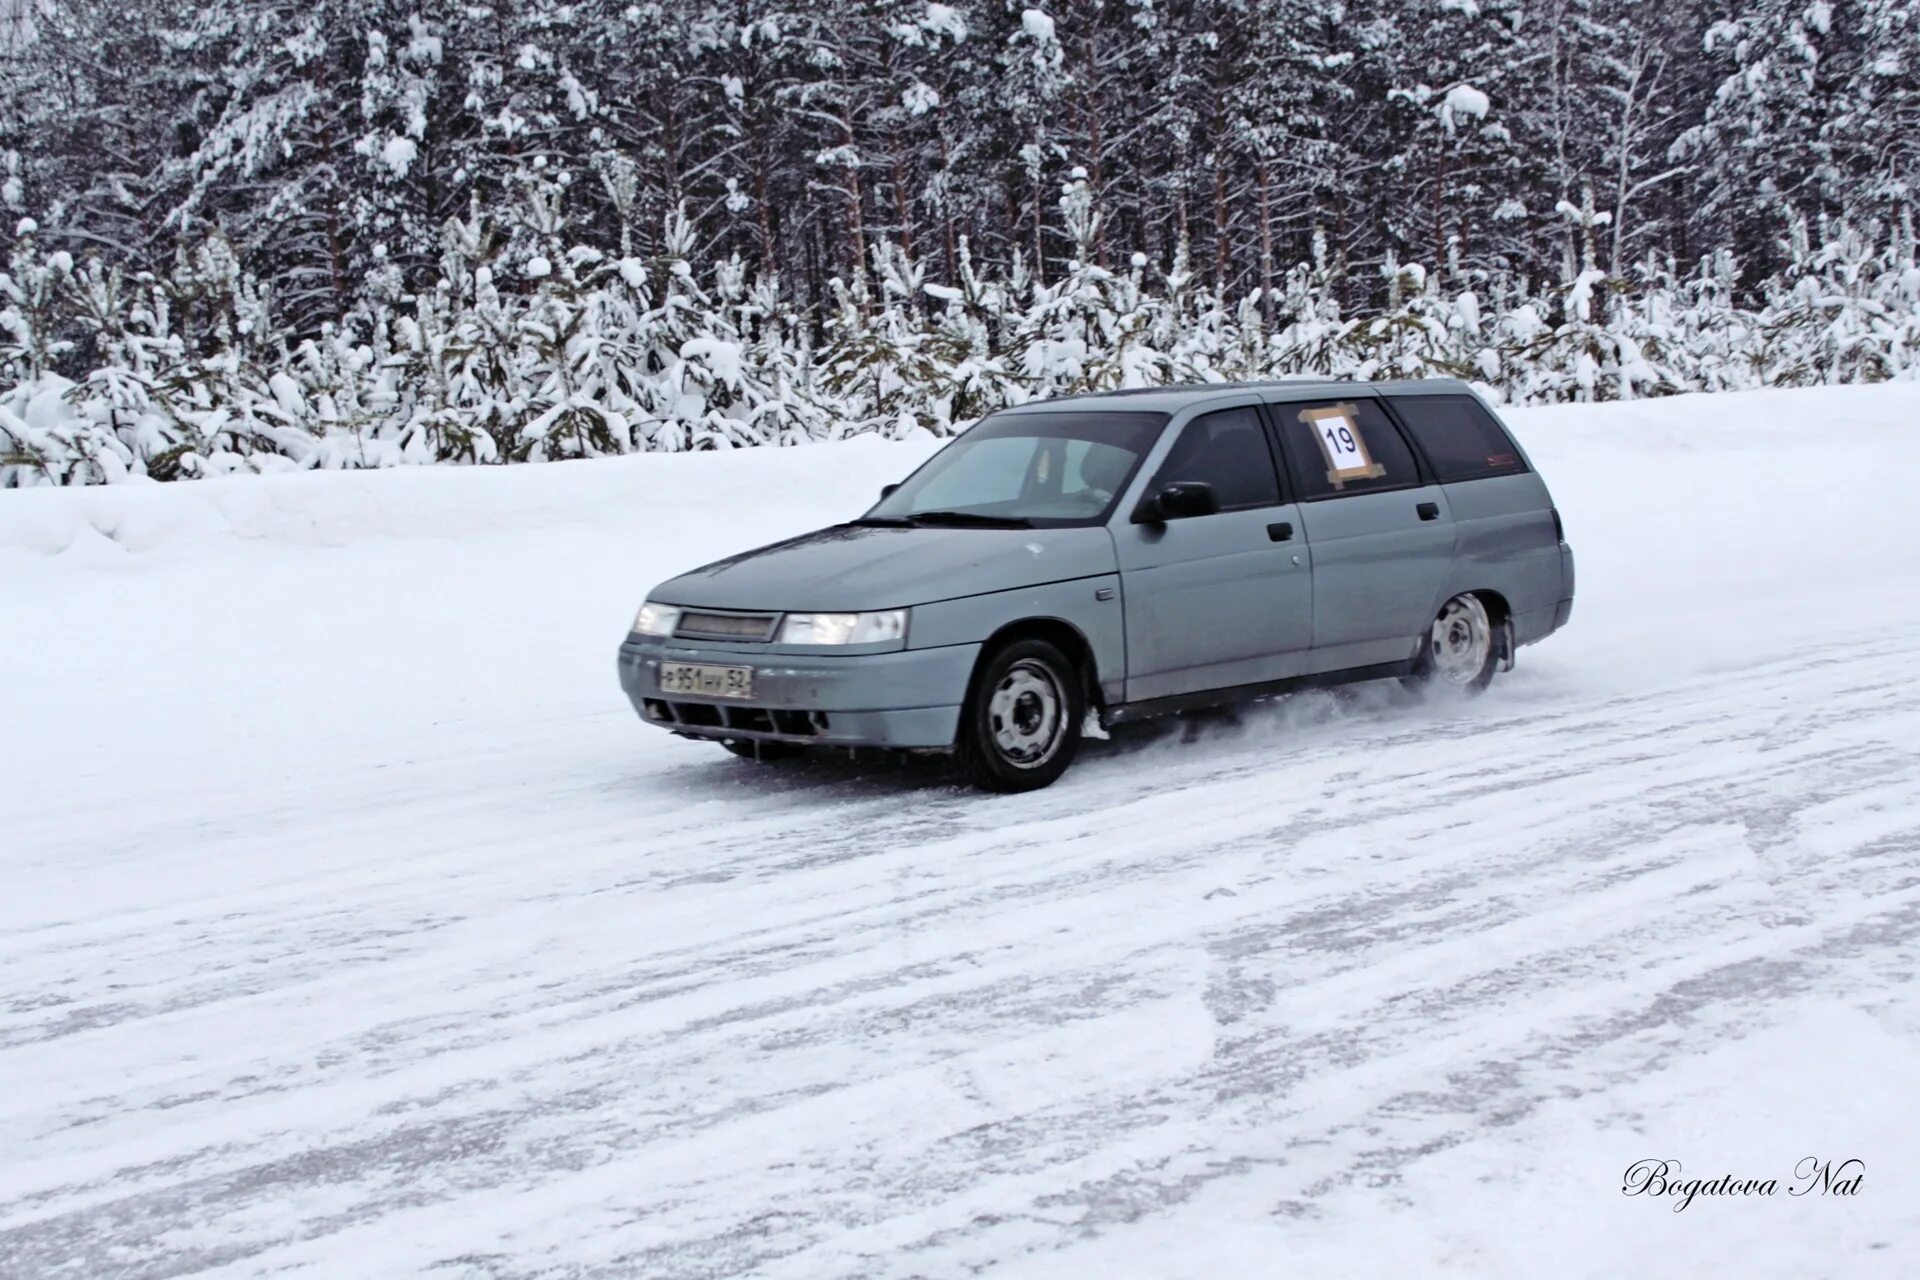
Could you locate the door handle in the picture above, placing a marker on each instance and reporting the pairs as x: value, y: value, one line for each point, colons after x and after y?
x: 1281, y: 532
x: 1428, y: 511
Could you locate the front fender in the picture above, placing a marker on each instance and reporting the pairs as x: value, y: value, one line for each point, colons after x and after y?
x: 1091, y: 606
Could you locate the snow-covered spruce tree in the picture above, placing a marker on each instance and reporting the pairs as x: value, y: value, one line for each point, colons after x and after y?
x: 457, y: 355
x: 970, y: 335
x: 1875, y: 124
x: 88, y: 116
x: 1711, y: 342
x: 1844, y: 310
x: 1196, y: 331
x: 42, y: 440
x: 273, y: 110
x: 30, y: 311
x: 1309, y: 340
x: 875, y: 117
x: 1283, y: 95
x: 1034, y: 82
x: 564, y: 354
x: 702, y: 394
x: 1597, y: 348
x: 214, y: 389
x: 778, y: 381
x: 350, y: 392
x: 1759, y: 144
x: 1408, y: 339
x: 1091, y: 329
x: 880, y: 361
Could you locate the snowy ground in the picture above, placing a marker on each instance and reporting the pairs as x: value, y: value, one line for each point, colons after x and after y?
x: 351, y: 925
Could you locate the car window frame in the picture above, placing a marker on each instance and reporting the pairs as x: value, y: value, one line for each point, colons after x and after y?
x: 1412, y: 438
x: 1282, y: 482
x: 1422, y: 473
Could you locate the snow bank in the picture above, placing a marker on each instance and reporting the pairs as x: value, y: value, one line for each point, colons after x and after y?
x: 332, y: 508
x: 1601, y: 460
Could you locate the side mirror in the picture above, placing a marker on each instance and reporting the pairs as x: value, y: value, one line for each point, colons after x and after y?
x: 886, y: 491
x: 1181, y: 500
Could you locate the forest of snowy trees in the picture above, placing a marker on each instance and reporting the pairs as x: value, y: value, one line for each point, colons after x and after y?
x: 252, y: 234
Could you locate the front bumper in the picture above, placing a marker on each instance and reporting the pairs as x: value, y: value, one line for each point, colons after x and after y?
x: 906, y: 698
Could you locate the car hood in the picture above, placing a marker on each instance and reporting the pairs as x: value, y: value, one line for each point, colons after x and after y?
x: 851, y: 567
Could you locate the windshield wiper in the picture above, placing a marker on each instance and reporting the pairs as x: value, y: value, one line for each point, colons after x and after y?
x: 970, y: 518
x: 882, y: 522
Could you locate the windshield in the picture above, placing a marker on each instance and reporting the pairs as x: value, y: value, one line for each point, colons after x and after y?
x: 1026, y: 469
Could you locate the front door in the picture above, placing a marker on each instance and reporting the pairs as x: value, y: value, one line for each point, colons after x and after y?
x: 1382, y: 534
x: 1219, y: 600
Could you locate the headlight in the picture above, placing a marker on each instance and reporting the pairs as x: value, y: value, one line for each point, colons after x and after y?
x: 844, y: 628
x: 656, y: 620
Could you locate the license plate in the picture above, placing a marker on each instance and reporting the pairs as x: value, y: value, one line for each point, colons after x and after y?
x: 706, y: 682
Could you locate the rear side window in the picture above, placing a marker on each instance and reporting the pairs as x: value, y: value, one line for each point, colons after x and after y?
x: 1228, y: 450
x: 1337, y: 447
x: 1460, y: 438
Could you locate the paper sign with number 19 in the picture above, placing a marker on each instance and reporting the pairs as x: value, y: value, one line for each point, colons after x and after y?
x: 1338, y: 432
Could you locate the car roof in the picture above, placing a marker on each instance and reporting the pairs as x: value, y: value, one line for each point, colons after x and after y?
x: 1172, y: 399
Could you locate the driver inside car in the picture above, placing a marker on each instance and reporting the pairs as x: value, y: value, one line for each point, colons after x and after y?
x: 1103, y: 469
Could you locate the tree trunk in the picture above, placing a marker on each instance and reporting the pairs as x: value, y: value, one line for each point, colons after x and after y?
x: 946, y: 216
x: 1220, y: 237
x: 1039, y: 244
x: 856, y: 200
x: 1266, y: 242
x: 1220, y: 255
x: 1090, y: 109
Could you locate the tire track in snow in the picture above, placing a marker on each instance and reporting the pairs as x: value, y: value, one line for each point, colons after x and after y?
x: 925, y: 1035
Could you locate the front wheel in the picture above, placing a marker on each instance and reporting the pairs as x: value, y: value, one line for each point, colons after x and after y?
x: 1459, y: 652
x: 1020, y: 727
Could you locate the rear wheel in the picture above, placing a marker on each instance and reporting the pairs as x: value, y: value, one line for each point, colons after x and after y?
x: 1020, y: 727
x: 1460, y: 651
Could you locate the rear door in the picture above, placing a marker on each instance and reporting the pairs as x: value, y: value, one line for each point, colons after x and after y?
x: 1219, y: 600
x: 1381, y: 531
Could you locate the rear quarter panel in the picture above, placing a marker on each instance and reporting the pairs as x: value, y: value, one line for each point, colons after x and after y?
x: 1505, y: 542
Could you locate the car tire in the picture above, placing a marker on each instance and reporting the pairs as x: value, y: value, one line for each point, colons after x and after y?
x: 1460, y: 651
x: 765, y: 752
x: 1020, y: 727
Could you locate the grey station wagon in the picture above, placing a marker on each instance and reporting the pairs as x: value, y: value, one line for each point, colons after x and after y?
x: 1102, y: 558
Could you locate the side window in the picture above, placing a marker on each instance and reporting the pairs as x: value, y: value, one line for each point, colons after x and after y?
x: 1460, y: 438
x: 1229, y: 451
x: 1344, y: 446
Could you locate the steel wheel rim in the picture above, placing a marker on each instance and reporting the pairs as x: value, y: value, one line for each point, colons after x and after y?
x: 1461, y: 640
x: 1027, y: 714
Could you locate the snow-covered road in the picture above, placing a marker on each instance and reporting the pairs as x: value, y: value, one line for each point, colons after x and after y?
x: 352, y: 926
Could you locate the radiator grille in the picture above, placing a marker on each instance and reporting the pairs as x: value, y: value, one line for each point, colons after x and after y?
x: 696, y: 625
